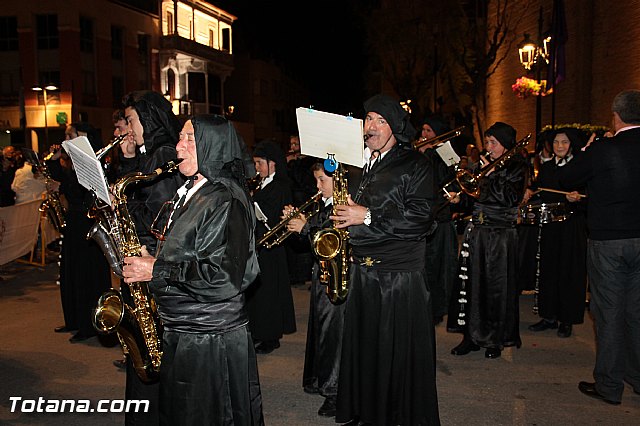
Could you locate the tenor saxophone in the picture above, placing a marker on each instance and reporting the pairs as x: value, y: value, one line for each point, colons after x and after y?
x: 331, y: 246
x: 138, y: 326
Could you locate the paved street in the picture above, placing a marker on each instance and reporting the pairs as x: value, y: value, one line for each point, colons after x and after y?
x: 533, y: 385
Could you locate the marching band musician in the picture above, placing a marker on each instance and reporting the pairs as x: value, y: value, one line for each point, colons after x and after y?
x: 209, y: 372
x: 154, y: 128
x: 269, y: 300
x: 442, y: 245
x: 488, y: 310
x: 563, y: 244
x: 84, y: 271
x: 324, y: 331
x: 387, y: 368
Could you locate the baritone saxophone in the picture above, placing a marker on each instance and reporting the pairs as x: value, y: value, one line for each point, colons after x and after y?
x: 138, y: 325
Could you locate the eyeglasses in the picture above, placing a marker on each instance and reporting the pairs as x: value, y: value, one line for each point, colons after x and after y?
x: 160, y: 224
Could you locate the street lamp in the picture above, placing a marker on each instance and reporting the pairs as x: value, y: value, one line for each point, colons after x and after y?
x: 536, y: 54
x: 44, y: 90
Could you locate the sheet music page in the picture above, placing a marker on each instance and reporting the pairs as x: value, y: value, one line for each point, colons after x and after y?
x: 260, y: 215
x: 87, y: 167
x: 448, y: 155
x: 324, y: 133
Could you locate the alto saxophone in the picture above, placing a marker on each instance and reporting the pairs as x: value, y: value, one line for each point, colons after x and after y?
x: 138, y: 326
x: 331, y: 246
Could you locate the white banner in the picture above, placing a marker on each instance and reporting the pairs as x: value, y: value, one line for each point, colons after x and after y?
x: 18, y: 230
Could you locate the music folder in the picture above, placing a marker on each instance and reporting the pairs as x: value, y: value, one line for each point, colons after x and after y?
x: 323, y: 134
x: 87, y: 166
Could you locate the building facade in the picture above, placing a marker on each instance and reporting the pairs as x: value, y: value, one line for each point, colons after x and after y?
x: 88, y: 54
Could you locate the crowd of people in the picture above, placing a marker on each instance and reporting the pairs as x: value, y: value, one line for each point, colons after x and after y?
x: 224, y: 296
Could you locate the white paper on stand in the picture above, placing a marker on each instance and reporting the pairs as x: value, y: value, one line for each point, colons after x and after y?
x: 448, y: 155
x: 87, y: 167
x: 260, y: 215
x: 323, y: 134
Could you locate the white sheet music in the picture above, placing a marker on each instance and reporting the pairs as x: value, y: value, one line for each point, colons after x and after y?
x: 448, y: 155
x: 87, y: 167
x: 260, y: 215
x: 323, y: 133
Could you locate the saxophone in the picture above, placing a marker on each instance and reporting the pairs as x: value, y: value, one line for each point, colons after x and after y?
x: 331, y: 246
x: 52, y: 205
x: 138, y: 326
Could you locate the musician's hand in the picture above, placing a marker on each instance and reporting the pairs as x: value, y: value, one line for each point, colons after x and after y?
x: 528, y: 193
x: 350, y: 214
x: 287, y: 210
x: 138, y: 268
x: 56, y: 150
x: 453, y: 197
x: 296, y: 224
x: 573, y: 196
x: 128, y: 146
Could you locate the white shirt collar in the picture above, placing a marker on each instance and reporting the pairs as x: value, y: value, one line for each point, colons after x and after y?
x: 267, y: 180
x: 624, y: 129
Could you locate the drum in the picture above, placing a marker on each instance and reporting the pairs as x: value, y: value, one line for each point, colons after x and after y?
x: 535, y: 214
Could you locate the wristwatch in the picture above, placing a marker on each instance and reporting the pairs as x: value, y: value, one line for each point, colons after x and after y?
x: 367, y: 218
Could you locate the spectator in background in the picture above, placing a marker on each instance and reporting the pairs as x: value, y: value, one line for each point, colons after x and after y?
x: 7, y: 173
x: 28, y: 184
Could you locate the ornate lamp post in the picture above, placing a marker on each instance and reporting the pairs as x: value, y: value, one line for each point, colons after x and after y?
x: 535, y: 55
x: 44, y: 90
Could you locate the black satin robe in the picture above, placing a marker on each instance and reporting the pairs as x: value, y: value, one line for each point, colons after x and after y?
x: 387, y: 369
x: 563, y: 255
x: 489, y: 308
x: 324, y: 330
x: 200, y: 275
x: 269, y: 299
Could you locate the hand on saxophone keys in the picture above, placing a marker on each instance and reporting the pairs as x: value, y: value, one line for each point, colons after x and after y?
x: 138, y: 268
x: 348, y: 214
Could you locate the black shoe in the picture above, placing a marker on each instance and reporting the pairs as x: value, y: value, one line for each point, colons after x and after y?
x: 438, y: 319
x: 328, y: 408
x: 62, y: 329
x: 80, y: 337
x: 589, y: 389
x: 120, y: 363
x: 492, y: 353
x: 267, y: 346
x: 544, y: 325
x: 564, y: 330
x: 465, y: 347
x: 310, y: 389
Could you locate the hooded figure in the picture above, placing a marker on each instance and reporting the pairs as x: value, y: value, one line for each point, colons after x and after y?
x: 505, y: 134
x: 395, y: 115
x: 160, y: 129
x: 200, y: 275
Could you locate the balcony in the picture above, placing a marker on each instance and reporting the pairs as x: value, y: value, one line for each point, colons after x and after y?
x: 192, y: 48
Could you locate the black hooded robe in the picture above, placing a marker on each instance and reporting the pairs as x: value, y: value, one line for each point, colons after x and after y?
x: 209, y: 370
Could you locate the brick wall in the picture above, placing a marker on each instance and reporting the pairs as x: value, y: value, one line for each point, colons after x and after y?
x: 602, y: 55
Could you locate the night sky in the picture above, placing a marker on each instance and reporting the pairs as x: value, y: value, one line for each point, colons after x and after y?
x: 322, y: 46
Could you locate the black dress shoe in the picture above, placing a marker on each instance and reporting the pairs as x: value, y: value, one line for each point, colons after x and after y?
x: 80, y: 337
x: 492, y: 353
x: 310, y: 389
x: 120, y: 363
x: 438, y: 319
x: 564, y: 330
x: 267, y: 346
x: 589, y: 389
x: 62, y: 329
x: 328, y: 408
x: 465, y: 347
x: 544, y: 325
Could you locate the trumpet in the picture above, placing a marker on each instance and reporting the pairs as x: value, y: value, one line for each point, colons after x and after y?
x: 439, y: 140
x: 279, y: 233
x: 254, y: 182
x: 470, y: 183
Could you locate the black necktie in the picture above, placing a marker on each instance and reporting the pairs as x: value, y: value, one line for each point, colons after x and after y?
x: 190, y: 182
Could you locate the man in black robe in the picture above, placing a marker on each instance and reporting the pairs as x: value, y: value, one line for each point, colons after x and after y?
x: 387, y: 370
x: 209, y: 372
x: 269, y: 300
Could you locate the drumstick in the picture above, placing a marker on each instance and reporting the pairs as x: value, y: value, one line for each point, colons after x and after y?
x: 557, y: 191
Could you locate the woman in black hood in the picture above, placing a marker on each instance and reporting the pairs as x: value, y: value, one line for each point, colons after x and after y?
x: 209, y: 371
